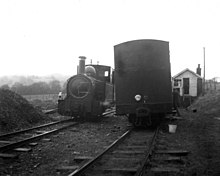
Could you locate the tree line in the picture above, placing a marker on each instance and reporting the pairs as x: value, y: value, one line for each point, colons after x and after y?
x: 37, y: 88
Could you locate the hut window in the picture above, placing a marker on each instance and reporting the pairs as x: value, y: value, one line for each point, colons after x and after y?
x: 177, y: 82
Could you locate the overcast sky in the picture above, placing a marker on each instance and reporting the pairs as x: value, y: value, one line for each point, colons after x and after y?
x: 41, y: 37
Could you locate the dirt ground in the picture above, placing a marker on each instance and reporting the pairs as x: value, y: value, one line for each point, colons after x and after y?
x: 47, y: 157
x: 200, y: 135
x: 197, y: 132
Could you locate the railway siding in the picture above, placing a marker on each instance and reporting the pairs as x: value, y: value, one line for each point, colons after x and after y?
x: 167, y: 160
x: 197, y: 134
x: 124, y: 157
x: 14, y: 140
x: 53, y: 157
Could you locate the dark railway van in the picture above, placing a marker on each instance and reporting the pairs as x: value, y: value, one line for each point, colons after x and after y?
x: 89, y: 92
x: 143, y: 80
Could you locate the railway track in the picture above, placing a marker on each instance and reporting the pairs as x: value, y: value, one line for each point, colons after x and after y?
x: 13, y: 140
x: 126, y: 156
x: 166, y: 159
x: 50, y: 111
x: 16, y: 139
x: 33, y: 128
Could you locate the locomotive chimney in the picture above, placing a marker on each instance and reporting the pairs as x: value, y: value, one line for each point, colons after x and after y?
x: 81, y: 67
x: 198, y: 70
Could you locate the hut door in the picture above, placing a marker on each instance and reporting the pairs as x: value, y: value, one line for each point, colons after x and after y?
x: 186, y: 86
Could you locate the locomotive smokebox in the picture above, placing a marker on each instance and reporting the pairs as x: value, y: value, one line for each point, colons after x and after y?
x: 81, y: 68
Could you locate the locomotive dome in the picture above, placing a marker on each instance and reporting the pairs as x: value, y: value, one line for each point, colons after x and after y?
x: 90, y: 71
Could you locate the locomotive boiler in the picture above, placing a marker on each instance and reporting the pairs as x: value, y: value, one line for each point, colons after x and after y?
x: 88, y: 93
x: 143, y: 81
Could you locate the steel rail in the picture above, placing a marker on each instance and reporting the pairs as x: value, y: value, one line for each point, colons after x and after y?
x: 50, y: 111
x: 149, y: 152
x: 33, y: 128
x: 108, y: 112
x: 89, y: 163
x: 44, y: 125
x: 19, y: 143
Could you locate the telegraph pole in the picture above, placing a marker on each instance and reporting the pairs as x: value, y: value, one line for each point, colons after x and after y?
x: 204, y: 71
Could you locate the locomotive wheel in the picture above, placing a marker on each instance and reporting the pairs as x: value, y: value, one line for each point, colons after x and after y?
x: 131, y: 118
x: 136, y: 121
x: 152, y: 120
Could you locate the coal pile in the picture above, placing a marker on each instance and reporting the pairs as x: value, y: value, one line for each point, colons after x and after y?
x: 16, y: 112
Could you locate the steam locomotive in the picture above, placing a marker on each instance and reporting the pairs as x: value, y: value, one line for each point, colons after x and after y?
x: 143, y: 81
x: 89, y: 93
